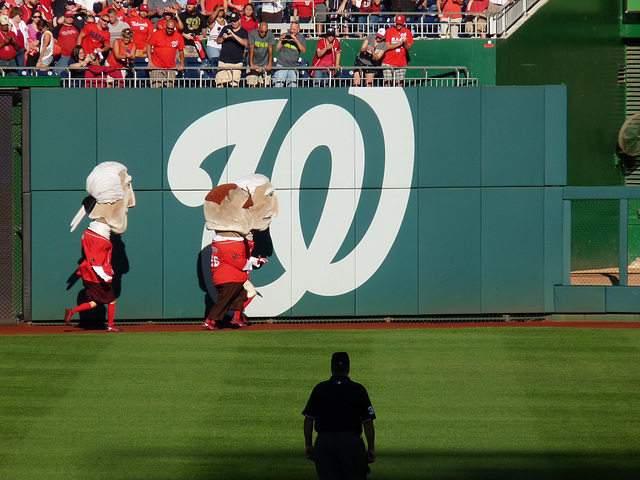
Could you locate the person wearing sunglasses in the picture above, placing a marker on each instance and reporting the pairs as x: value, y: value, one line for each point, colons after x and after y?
x: 95, y: 37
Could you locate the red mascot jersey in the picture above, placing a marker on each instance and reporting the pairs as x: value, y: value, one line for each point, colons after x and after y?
x: 97, y: 253
x: 228, y: 258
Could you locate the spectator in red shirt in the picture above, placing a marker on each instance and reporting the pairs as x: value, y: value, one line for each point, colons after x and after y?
x: 399, y: 41
x: 327, y: 55
x: 9, y: 46
x: 367, y: 9
x: 95, y: 38
x: 67, y: 36
x: 248, y: 19
x: 166, y: 16
x: 123, y: 52
x: 237, y: 5
x: 29, y: 7
x: 161, y: 52
x: 117, y: 5
x: 142, y: 28
x: 303, y: 10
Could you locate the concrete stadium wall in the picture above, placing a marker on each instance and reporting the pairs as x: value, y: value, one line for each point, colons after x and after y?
x: 393, y: 201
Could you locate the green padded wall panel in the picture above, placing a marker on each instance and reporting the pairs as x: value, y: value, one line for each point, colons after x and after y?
x: 384, y: 201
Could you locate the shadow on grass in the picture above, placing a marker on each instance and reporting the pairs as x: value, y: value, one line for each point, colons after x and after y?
x: 291, y: 465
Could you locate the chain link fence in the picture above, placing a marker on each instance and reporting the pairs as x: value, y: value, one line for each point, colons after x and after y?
x: 595, y: 240
x: 10, y: 206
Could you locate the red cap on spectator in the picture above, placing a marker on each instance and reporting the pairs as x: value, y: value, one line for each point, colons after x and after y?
x: 144, y: 8
x: 400, y: 19
x: 192, y: 2
x: 69, y: 13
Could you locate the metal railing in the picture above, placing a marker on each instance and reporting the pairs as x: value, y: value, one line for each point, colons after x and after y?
x: 204, y: 76
x: 423, y: 24
x: 500, y: 23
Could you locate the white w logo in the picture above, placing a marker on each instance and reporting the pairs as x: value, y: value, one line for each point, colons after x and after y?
x: 308, y: 268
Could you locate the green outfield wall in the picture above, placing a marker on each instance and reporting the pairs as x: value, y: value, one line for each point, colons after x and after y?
x: 393, y: 201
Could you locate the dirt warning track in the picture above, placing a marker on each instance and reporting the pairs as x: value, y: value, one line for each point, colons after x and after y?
x: 149, y: 327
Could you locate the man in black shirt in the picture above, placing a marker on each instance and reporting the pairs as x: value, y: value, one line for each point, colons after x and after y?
x: 340, y: 408
x: 192, y: 26
x: 234, y: 40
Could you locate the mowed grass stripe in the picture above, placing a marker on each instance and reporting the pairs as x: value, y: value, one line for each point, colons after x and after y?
x: 472, y: 403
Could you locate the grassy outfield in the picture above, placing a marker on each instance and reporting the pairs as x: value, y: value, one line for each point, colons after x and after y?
x: 465, y: 403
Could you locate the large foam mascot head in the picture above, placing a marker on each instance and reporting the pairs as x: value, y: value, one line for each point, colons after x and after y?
x: 226, y: 210
x: 263, y: 195
x: 110, y: 197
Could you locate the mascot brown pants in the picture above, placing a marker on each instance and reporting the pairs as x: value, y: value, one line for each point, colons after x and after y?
x: 231, y: 296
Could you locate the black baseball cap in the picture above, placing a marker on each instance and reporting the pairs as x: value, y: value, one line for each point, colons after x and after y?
x: 234, y: 17
x: 340, y: 359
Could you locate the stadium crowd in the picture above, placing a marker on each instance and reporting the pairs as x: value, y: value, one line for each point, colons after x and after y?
x: 105, y: 40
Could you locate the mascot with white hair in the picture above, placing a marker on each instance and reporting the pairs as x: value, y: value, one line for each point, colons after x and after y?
x: 265, y: 207
x: 110, y: 197
x: 233, y: 211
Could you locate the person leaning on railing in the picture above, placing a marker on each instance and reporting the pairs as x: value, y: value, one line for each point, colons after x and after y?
x: 123, y: 53
x: 79, y: 61
x: 372, y: 51
x: 161, y: 51
x: 261, y: 43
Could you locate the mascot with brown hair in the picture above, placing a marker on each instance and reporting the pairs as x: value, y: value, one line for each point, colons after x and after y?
x: 228, y: 210
x: 110, y: 197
